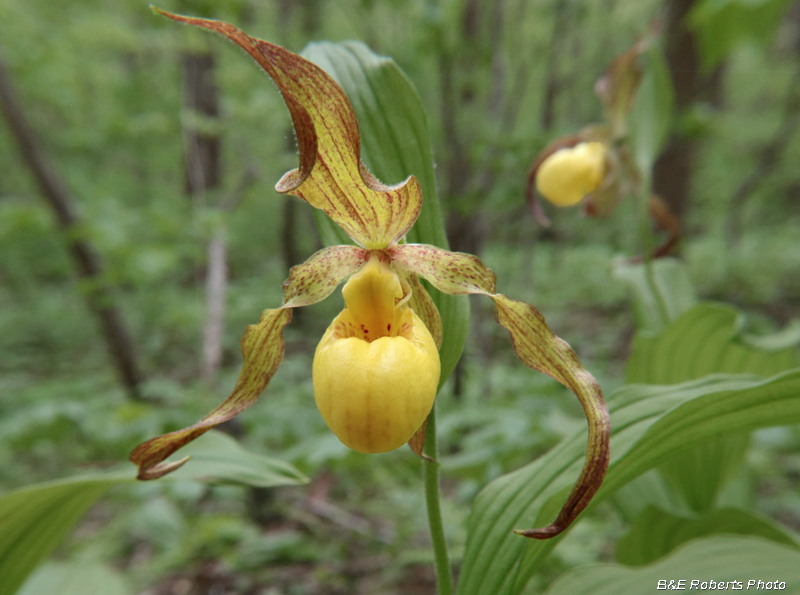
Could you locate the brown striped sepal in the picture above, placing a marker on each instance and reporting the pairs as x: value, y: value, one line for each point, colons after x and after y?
x: 331, y: 176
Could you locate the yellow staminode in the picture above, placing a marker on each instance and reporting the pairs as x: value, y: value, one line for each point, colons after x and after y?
x: 568, y: 175
x: 376, y: 369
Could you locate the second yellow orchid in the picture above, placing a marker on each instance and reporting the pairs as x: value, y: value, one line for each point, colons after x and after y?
x: 376, y: 370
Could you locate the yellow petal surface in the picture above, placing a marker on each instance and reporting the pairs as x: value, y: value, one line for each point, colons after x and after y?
x: 331, y: 176
x: 537, y: 347
x: 262, y: 349
x: 376, y: 369
x: 568, y: 175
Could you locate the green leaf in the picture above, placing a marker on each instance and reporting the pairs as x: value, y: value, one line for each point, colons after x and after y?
x: 649, y: 424
x: 721, y: 25
x: 720, y: 559
x: 657, y: 303
x: 656, y: 533
x: 75, y: 578
x: 649, y: 489
x: 651, y: 116
x: 704, y: 340
x: 34, y: 519
x: 699, y: 474
x: 395, y: 143
x: 218, y: 458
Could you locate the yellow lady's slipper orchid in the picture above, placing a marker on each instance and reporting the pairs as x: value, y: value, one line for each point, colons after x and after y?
x: 376, y: 369
x: 569, y: 174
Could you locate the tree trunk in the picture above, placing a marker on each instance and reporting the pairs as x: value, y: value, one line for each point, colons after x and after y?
x: 216, y: 283
x: 553, y: 82
x: 204, y: 174
x: 203, y: 147
x: 673, y: 168
x: 101, y: 298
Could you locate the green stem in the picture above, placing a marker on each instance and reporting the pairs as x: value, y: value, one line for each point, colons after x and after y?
x: 646, y: 238
x: 444, y: 580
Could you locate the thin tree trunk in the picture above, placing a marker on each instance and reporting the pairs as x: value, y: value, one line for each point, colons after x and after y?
x: 553, y: 82
x: 204, y: 174
x: 216, y: 284
x: 101, y: 298
x: 673, y: 168
x: 203, y: 148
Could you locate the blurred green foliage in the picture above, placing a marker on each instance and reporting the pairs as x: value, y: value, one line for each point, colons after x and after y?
x: 101, y: 83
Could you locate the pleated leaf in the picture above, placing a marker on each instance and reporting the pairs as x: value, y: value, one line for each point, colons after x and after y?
x: 34, y: 519
x: 656, y: 533
x: 718, y: 559
x: 218, y: 458
x: 707, y: 339
x: 649, y: 424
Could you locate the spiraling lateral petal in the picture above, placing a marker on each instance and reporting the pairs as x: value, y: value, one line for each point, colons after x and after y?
x: 331, y: 176
x: 262, y: 348
x: 538, y: 348
x: 320, y: 275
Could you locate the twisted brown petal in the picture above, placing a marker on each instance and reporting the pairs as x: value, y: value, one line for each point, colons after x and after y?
x: 538, y: 348
x: 262, y: 348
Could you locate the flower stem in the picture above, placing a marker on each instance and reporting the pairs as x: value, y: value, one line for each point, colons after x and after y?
x: 444, y: 580
x: 646, y: 239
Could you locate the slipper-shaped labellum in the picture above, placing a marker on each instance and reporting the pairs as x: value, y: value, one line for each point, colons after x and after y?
x: 376, y: 369
x: 569, y: 174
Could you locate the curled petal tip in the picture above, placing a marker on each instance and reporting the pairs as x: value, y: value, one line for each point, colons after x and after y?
x: 161, y: 469
x: 548, y: 532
